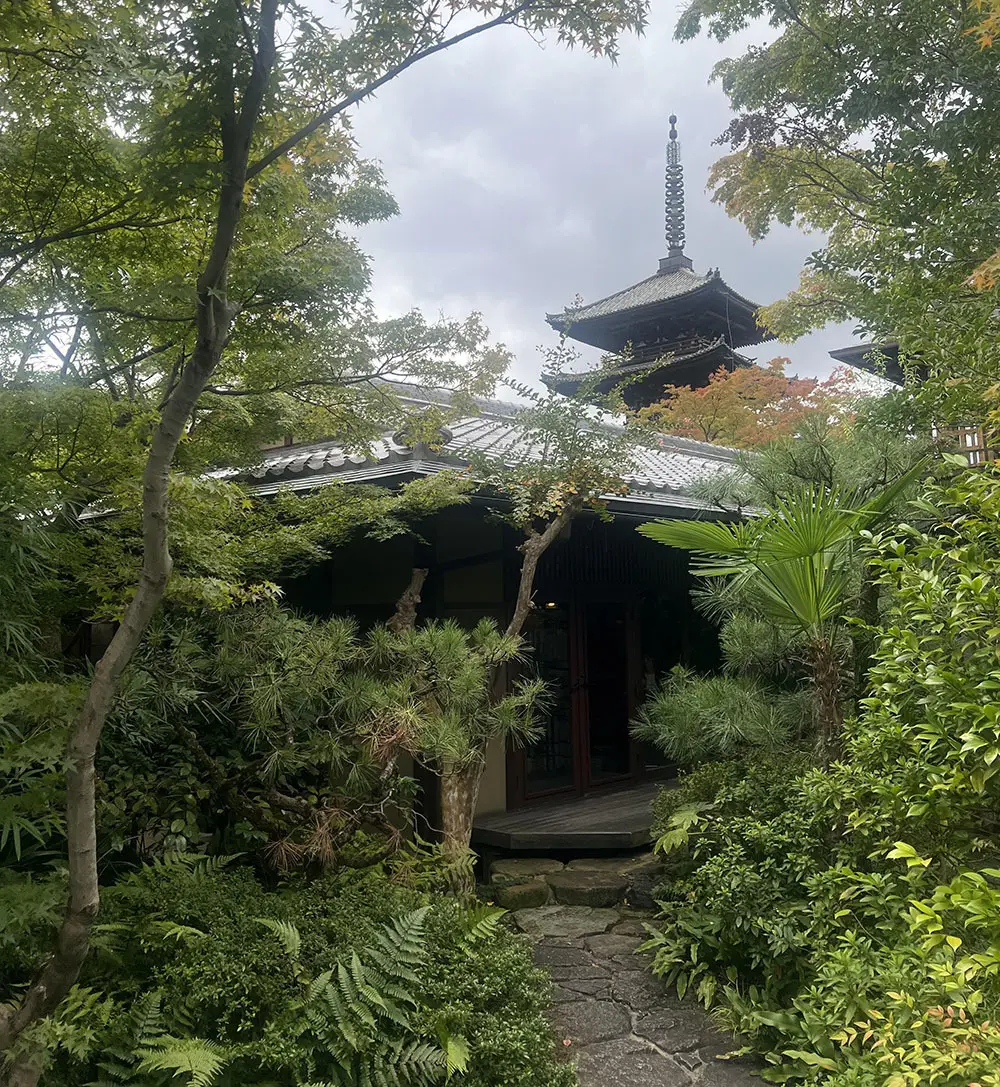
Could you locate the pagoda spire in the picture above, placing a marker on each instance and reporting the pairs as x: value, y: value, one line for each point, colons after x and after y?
x: 674, y: 205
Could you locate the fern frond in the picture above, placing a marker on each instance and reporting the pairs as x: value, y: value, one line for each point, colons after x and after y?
x: 480, y: 922
x: 198, y: 1058
x: 291, y: 938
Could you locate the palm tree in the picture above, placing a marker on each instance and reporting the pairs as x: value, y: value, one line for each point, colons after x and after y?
x: 795, y: 565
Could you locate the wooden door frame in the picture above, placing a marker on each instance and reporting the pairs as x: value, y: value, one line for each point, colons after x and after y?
x: 576, y: 602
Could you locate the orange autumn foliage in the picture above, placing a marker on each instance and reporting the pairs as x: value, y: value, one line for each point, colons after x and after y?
x: 749, y: 407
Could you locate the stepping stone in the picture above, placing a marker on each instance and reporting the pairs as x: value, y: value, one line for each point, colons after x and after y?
x: 561, y: 995
x: 608, y: 865
x: 735, y: 1073
x: 522, y: 870
x: 610, y: 946
x: 586, y: 888
x: 630, y: 926
x: 566, y: 974
x: 627, y: 1062
x: 639, y: 990
x: 589, y: 1021
x: 556, y: 955
x: 668, y: 1032
x: 565, y: 922
x: 599, y: 988
x: 522, y: 896
x: 681, y: 1028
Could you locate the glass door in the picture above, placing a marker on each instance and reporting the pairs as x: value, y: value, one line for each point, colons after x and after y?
x: 607, y: 634
x: 549, y: 763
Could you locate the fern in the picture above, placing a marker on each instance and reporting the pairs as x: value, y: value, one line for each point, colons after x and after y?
x: 360, y: 1012
x: 291, y: 938
x: 479, y: 922
x: 197, y: 1058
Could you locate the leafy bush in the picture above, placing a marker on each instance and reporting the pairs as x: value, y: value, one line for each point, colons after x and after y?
x: 848, y: 921
x: 202, y: 970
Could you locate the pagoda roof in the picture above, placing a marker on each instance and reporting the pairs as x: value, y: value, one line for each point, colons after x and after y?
x: 667, y: 369
x: 675, y: 305
x: 679, y: 292
x: 662, y: 287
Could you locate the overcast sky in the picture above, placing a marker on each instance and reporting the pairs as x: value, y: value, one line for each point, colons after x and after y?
x: 526, y: 175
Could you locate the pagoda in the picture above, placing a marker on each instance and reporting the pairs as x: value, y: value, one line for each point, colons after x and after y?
x: 675, y: 328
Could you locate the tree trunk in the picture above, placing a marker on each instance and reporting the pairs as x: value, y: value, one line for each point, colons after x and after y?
x: 460, y: 782
x: 828, y: 714
x: 459, y: 795
x: 405, y: 615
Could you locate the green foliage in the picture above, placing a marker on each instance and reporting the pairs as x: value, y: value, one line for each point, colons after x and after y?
x: 869, y: 123
x: 692, y: 718
x: 794, y: 561
x: 794, y: 565
x: 573, y: 455
x: 437, y: 680
x: 847, y: 921
x: 348, y: 979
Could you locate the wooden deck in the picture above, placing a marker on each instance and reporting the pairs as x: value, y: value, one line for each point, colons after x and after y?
x: 601, y: 821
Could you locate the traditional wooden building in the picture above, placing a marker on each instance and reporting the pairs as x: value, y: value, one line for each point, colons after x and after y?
x: 613, y: 608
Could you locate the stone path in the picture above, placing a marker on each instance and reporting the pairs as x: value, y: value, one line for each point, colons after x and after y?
x: 616, y: 1021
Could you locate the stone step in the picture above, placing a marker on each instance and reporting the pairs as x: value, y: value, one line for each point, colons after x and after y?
x: 525, y: 882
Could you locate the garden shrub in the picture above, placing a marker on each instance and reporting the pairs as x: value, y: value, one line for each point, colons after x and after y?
x: 847, y: 922
x: 692, y: 718
x: 196, y: 955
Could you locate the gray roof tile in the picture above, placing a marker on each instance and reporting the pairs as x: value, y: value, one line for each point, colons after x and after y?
x: 657, y: 288
x: 661, y: 481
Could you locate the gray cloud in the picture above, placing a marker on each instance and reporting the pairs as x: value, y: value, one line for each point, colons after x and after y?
x: 526, y: 175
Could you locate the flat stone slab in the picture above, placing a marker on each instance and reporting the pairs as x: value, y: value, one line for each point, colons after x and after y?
x: 588, y: 1021
x: 560, y: 955
x: 608, y: 945
x: 617, y: 865
x: 599, y: 988
x: 630, y: 926
x: 581, y: 973
x: 564, y: 922
x: 626, y: 1062
x: 522, y: 870
x: 641, y: 991
x: 522, y: 896
x: 586, y: 888
x: 612, y: 1017
x: 734, y: 1073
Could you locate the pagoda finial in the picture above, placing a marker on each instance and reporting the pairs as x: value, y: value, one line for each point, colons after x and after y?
x: 675, y: 258
x: 674, y: 194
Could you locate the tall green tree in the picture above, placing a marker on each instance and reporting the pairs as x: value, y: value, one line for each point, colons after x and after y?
x: 873, y: 123
x: 171, y: 179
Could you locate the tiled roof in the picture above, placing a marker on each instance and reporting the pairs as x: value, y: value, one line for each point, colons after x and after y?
x: 657, y: 288
x: 667, y: 363
x: 662, y: 479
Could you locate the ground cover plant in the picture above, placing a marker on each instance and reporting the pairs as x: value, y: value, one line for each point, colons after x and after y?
x: 201, y: 974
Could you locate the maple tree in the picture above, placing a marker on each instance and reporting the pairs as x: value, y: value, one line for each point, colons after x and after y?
x: 873, y: 124
x: 751, y: 406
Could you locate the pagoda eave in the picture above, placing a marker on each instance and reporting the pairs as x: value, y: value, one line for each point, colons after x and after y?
x: 643, y: 382
x: 732, y: 315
